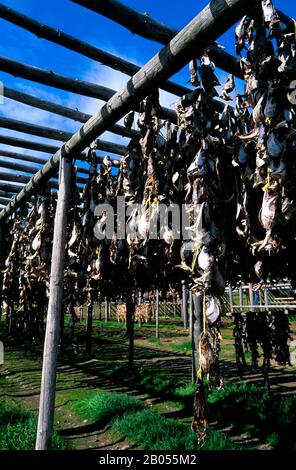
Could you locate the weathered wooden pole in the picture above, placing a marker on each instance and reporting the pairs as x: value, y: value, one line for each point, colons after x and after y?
x: 27, y: 144
x: 184, y: 305
x: 18, y: 166
x: 2, y: 260
x: 106, y: 310
x: 20, y: 178
x: 190, y: 313
x: 89, y: 325
x: 251, y: 298
x: 60, y: 110
x: 56, y: 134
x: 157, y: 313
x: 130, y: 314
x: 48, y: 381
x: 240, y: 293
x: 174, y: 307
x: 230, y: 293
x: 196, y: 332
x: 33, y: 159
x: 6, y: 194
x: 266, y: 297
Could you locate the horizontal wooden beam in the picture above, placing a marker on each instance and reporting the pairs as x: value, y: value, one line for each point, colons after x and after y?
x: 73, y: 114
x: 33, y: 159
x: 10, y: 187
x: 24, y: 179
x: 81, y: 87
x: 8, y: 194
x: 8, y: 182
x: 4, y: 200
x: 30, y: 145
x: 26, y: 144
x: 70, y: 42
x: 18, y: 166
x: 56, y: 134
x: 145, y: 26
x: 41, y: 161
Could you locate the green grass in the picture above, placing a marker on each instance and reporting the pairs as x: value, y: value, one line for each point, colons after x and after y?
x: 185, y: 391
x: 106, y: 405
x: 155, y: 382
x: 155, y: 341
x: 184, y: 347
x: 109, y: 324
x: 18, y: 429
x: 151, y: 431
x: 148, y: 429
x: 143, y: 378
x: 269, y: 417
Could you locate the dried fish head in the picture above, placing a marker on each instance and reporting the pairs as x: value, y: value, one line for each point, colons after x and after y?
x: 213, y: 310
x: 277, y: 169
x: 206, y: 259
x: 37, y: 241
x: 271, y: 106
x: 228, y: 88
x: 276, y: 146
x: 270, y: 14
x: 269, y: 210
x: 194, y: 80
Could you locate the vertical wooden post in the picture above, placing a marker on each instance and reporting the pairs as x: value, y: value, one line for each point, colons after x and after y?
x: 157, y: 313
x: 251, y: 297
x: 10, y: 318
x: 106, y: 310
x: 89, y: 324
x: 240, y: 293
x: 184, y: 305
x: 190, y: 313
x: 53, y: 323
x: 266, y: 299
x: 130, y: 313
x: 139, y: 303
x: 230, y: 293
x: 2, y: 261
x: 196, y: 332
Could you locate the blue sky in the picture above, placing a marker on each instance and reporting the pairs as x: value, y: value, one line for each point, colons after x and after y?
x: 99, y: 31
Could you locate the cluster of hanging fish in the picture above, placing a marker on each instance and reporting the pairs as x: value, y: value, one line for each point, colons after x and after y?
x: 26, y: 272
x: 246, y: 233
x: 267, y: 199
x: 265, y: 331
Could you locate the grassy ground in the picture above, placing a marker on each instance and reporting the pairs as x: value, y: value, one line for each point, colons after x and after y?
x: 130, y: 418
x: 160, y: 383
x: 18, y: 428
